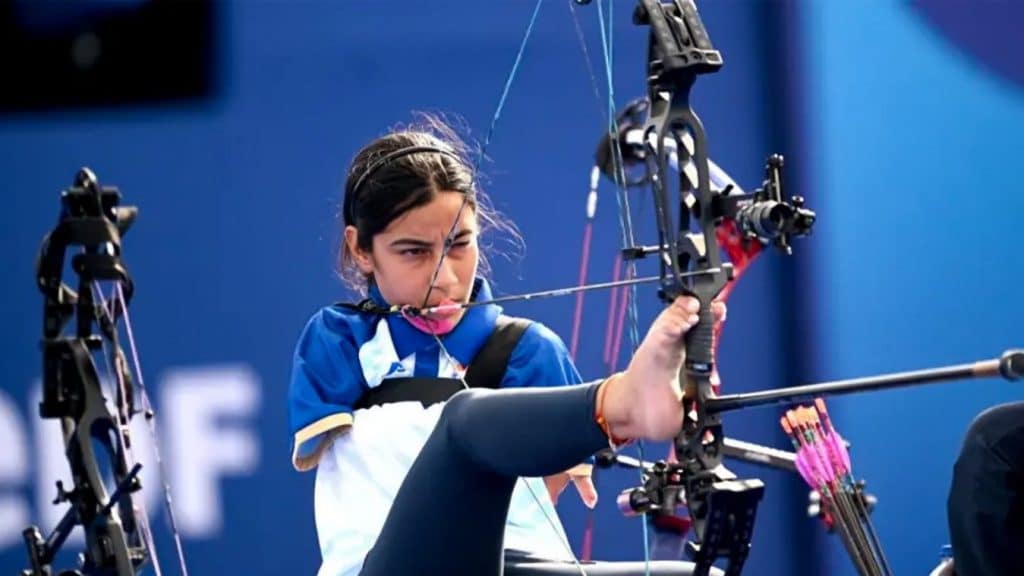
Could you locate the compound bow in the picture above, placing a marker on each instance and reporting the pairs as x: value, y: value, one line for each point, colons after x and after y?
x: 95, y: 429
x: 693, y: 232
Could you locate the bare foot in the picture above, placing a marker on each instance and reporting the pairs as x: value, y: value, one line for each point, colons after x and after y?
x: 645, y: 402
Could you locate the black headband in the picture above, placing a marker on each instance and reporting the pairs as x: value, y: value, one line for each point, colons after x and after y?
x: 350, y: 197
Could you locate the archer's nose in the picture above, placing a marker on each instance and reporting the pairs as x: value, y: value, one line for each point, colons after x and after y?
x: 446, y: 276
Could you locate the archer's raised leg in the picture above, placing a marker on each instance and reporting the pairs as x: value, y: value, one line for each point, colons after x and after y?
x: 449, y: 515
x: 464, y: 476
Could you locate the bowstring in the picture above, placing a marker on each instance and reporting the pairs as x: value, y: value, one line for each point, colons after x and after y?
x: 625, y: 224
x: 449, y: 238
x: 622, y: 203
x: 112, y: 359
x: 109, y: 308
x: 150, y: 417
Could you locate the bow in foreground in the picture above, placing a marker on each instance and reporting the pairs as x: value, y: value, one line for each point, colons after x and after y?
x: 692, y: 234
x: 94, y: 420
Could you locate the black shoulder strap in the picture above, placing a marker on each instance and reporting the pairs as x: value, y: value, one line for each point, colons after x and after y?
x: 487, y: 369
x: 426, y: 391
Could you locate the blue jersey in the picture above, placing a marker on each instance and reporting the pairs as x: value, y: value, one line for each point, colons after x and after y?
x: 362, y: 455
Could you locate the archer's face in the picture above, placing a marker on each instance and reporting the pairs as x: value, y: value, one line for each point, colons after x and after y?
x: 404, y: 255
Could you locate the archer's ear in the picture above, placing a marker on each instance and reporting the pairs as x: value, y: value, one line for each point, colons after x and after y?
x: 362, y: 258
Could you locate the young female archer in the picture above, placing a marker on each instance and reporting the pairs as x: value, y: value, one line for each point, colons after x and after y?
x: 415, y: 473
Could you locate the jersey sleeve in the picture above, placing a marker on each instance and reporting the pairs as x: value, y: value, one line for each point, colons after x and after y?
x: 326, y: 382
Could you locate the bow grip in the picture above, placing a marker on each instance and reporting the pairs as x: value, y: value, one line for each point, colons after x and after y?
x: 700, y: 341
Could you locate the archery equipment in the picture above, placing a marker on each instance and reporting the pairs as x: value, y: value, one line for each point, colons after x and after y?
x: 95, y: 425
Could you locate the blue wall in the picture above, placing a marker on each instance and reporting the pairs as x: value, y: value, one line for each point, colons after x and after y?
x: 235, y: 242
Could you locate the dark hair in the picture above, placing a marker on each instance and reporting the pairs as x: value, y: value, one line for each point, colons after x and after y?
x: 405, y: 169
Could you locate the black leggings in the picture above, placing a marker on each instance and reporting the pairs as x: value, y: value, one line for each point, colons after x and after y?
x: 449, y: 515
x: 986, y: 499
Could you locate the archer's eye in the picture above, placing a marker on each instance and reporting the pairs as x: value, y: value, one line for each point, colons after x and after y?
x: 413, y: 252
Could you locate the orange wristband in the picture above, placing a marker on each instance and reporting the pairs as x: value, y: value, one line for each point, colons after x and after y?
x: 614, y: 442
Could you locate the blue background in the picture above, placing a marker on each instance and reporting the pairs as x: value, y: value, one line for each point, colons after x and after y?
x: 900, y: 123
